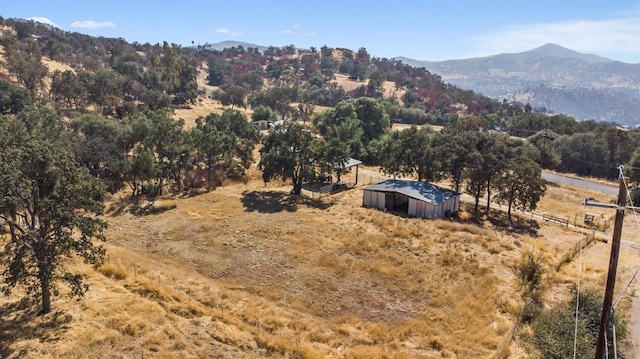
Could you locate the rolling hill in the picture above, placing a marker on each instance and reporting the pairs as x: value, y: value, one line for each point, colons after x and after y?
x: 248, y: 271
x: 583, y: 86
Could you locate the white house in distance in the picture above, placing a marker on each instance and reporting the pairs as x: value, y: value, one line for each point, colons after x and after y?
x: 415, y: 198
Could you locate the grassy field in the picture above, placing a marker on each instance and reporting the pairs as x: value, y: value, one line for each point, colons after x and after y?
x: 245, y: 271
x: 388, y: 87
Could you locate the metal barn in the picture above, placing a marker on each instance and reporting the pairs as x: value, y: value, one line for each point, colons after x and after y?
x: 415, y: 198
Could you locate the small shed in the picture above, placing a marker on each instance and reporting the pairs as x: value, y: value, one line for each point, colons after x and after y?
x: 262, y: 124
x: 346, y: 166
x: 415, y: 198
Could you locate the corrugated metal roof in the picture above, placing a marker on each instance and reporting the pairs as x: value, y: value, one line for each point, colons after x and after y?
x: 415, y: 189
x: 348, y: 164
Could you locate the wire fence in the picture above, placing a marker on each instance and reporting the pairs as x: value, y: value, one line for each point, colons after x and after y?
x: 368, y: 177
x: 574, y: 250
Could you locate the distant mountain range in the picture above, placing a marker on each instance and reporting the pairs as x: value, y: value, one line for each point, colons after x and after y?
x: 550, y: 77
x: 583, y: 86
x: 219, y: 46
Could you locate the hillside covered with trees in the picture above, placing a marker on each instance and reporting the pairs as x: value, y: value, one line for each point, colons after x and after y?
x: 105, y: 122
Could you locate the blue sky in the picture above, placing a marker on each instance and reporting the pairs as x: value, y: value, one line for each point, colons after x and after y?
x: 418, y: 29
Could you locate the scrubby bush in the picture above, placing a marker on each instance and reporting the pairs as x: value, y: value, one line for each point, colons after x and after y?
x: 554, y: 330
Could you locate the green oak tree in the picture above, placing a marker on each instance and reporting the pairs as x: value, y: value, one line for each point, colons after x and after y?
x: 341, y: 123
x: 388, y: 150
x: 334, y: 154
x: 224, y: 138
x: 263, y: 113
x: 138, y: 162
x: 634, y: 166
x: 26, y: 64
x: 289, y: 152
x: 49, y: 203
x: 453, y: 148
x: 66, y: 89
x: 419, y: 157
x: 96, y: 147
x: 233, y: 95
x: 374, y: 118
x: 520, y: 186
x: 166, y: 140
x: 12, y: 98
x: 278, y: 99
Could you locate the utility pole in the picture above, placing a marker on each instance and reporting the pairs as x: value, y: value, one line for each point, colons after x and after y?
x: 601, y: 346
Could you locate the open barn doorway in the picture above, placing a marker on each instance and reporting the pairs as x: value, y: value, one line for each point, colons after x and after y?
x: 397, y: 203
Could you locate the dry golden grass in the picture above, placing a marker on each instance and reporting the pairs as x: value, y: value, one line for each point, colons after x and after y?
x: 245, y: 271
x: 204, y: 104
x: 389, y: 88
x: 404, y: 126
x: 56, y: 66
x: 202, y: 108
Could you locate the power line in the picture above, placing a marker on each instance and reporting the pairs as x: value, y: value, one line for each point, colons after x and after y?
x: 575, y: 329
x: 605, y: 319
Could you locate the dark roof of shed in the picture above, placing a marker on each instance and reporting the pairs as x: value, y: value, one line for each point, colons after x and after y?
x: 416, y: 189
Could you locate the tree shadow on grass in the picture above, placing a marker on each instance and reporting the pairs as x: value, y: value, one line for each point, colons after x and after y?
x: 136, y: 206
x: 518, y: 224
x: 21, y: 321
x: 274, y: 202
x: 498, y: 218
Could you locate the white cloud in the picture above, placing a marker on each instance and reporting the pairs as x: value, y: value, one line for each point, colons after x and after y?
x: 92, y: 25
x: 302, y: 34
x: 224, y: 31
x: 43, y: 20
x: 593, y: 36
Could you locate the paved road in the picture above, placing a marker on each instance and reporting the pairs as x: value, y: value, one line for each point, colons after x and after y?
x: 634, y: 329
x: 608, y: 190
x: 579, y: 183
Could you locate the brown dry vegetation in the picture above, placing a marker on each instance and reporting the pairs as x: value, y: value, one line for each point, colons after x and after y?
x: 246, y: 271
x: 56, y: 66
x: 204, y: 104
x: 389, y: 87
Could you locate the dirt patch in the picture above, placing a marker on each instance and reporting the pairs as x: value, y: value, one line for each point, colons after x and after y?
x: 388, y: 87
x: 248, y: 271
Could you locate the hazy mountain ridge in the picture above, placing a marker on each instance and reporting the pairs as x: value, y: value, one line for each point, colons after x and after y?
x: 559, y: 79
x: 229, y: 44
x: 582, y: 102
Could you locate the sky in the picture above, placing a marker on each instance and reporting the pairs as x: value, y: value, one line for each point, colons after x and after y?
x: 418, y: 29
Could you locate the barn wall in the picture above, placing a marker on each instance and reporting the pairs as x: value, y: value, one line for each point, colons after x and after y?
x: 443, y: 207
x: 373, y: 199
x: 380, y: 200
x: 413, y: 208
x: 423, y: 209
x: 366, y: 198
x: 452, y: 205
x: 416, y: 208
x: 430, y: 210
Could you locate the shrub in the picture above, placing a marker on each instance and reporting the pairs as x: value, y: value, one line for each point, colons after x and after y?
x: 554, y: 330
x: 530, y: 270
